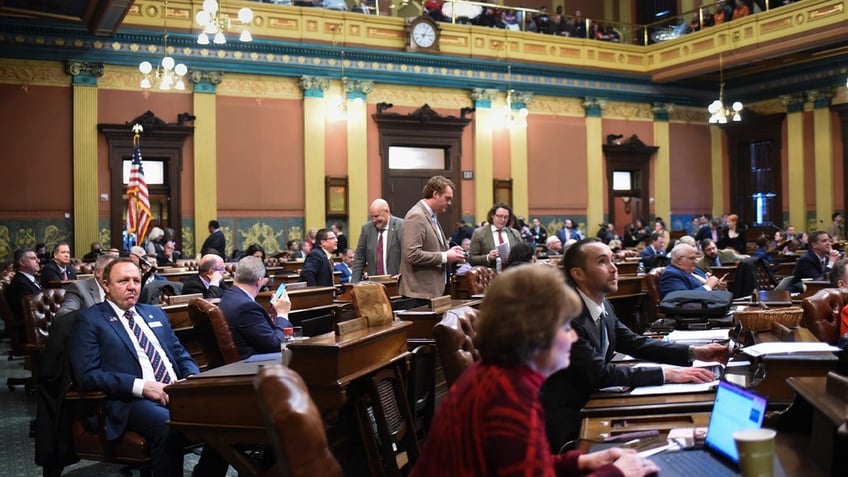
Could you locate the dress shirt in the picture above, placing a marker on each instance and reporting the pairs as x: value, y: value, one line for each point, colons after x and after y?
x: 143, y: 359
x: 31, y: 278
x: 438, y: 228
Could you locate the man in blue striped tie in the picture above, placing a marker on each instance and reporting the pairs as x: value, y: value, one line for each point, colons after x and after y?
x: 129, y: 351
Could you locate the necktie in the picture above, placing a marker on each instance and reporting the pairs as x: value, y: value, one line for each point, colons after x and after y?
x: 380, y: 268
x: 500, y: 236
x: 65, y: 274
x: 160, y: 372
x: 717, y: 262
x: 602, y: 331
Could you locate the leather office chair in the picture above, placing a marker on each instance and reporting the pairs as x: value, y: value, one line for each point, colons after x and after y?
x: 294, y: 425
x: 821, y: 313
x: 39, y: 310
x: 371, y: 301
x: 421, y: 388
x: 16, y: 331
x: 652, y: 284
x: 473, y: 282
x: 454, y: 336
x: 214, y: 334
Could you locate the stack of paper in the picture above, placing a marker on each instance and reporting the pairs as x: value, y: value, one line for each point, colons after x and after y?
x: 788, y: 347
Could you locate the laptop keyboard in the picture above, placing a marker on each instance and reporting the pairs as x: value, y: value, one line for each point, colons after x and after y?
x: 692, y: 464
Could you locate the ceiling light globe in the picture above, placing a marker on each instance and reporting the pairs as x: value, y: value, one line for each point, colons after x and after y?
x: 210, y: 6
x: 202, y: 18
x: 245, y: 15
x: 737, y: 106
x: 245, y: 36
x: 145, y: 83
x: 145, y: 67
x: 523, y: 112
x: 714, y: 107
x: 203, y: 39
x: 181, y: 69
x: 168, y: 63
x: 219, y: 38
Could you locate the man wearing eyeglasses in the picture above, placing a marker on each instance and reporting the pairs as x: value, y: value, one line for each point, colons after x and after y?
x: 209, y: 279
x: 485, y: 240
x: 318, y: 267
x: 680, y: 274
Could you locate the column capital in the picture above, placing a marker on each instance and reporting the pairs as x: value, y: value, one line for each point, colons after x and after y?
x: 483, y: 97
x: 820, y: 98
x: 313, y: 86
x: 520, y: 99
x: 205, y: 81
x: 84, y: 73
x: 794, y: 103
x: 662, y: 110
x: 357, y: 89
x: 593, y: 106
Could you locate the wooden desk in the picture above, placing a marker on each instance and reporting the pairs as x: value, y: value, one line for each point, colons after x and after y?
x: 810, y: 289
x: 220, y: 406
x: 292, y: 265
x: 612, y: 404
x: 627, y: 267
x: 627, y: 301
x: 423, y: 319
x: 308, y: 297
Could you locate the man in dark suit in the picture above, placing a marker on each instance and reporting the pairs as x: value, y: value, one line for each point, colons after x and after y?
x: 317, y: 268
x: 712, y: 231
x: 86, y: 293
x: 818, y: 260
x: 344, y: 266
x: 485, y: 240
x: 23, y: 282
x: 384, y: 229
x: 59, y: 269
x: 216, y: 242
x: 130, y: 352
x: 341, y: 244
x: 253, y: 330
x: 657, y: 247
x: 589, y: 267
x: 681, y: 274
x: 209, y: 279
x: 540, y: 234
x: 426, y: 256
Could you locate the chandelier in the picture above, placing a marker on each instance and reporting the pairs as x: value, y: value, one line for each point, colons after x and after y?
x: 718, y: 112
x: 515, y: 112
x: 215, y: 23
x: 169, y: 74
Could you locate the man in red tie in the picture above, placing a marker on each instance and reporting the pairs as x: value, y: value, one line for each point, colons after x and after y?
x: 499, y: 234
x: 378, y: 249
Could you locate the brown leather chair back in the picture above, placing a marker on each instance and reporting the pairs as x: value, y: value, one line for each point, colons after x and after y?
x: 454, y: 336
x: 39, y: 310
x: 213, y: 332
x: 371, y: 301
x: 652, y: 284
x: 473, y: 282
x: 821, y: 313
x: 15, y: 327
x: 293, y: 423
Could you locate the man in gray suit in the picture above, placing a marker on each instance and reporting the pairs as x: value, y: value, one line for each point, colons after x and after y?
x: 384, y: 224
x: 485, y: 240
x: 83, y: 294
x: 426, y: 256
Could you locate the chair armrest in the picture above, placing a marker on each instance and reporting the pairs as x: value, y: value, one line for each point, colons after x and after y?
x: 88, y: 395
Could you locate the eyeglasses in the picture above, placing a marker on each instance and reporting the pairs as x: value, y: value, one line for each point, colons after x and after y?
x: 693, y: 258
x: 504, y: 217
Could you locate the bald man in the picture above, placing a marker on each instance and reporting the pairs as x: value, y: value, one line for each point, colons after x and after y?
x: 209, y: 279
x: 384, y: 229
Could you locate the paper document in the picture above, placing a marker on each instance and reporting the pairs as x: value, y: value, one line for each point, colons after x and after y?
x: 674, y: 388
x: 678, y: 336
x: 784, y: 347
x: 256, y: 358
x: 503, y: 250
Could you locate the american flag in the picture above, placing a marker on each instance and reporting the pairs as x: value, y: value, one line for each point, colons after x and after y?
x: 138, y: 208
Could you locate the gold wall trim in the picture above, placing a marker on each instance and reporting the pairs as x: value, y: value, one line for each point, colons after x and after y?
x: 28, y: 73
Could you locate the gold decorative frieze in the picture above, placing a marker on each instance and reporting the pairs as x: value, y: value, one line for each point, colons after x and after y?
x: 28, y: 73
x: 260, y: 87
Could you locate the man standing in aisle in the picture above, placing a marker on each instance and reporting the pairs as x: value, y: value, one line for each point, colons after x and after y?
x: 378, y: 249
x: 216, y: 242
x: 318, y: 267
x: 426, y: 257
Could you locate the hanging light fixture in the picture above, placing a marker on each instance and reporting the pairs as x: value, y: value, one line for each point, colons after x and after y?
x: 215, y: 23
x: 718, y: 112
x: 169, y: 74
x: 513, y: 115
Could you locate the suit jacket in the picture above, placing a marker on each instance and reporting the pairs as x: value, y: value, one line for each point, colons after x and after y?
x: 366, y: 249
x: 80, y: 295
x: 193, y: 284
x: 421, y: 268
x: 706, y: 232
x: 253, y: 330
x: 50, y: 272
x: 346, y: 272
x: 725, y: 257
x: 808, y: 266
x: 18, y: 288
x: 103, y: 357
x: 673, y: 279
x: 317, y: 269
x: 650, y: 252
x: 539, y: 235
x: 482, y: 242
x: 217, y: 241
x: 565, y: 392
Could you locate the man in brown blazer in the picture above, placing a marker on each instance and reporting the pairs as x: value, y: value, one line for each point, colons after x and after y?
x: 485, y: 240
x: 425, y: 256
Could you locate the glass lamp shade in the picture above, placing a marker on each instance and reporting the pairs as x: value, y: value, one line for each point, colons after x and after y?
x: 145, y: 67
x: 202, y: 18
x: 245, y: 36
x: 210, y: 6
x: 145, y: 83
x: 203, y: 39
x: 219, y: 38
x: 180, y: 69
x: 245, y: 15
x: 737, y: 106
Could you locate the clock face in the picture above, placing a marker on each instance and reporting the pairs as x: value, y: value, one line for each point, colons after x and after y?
x: 424, y: 35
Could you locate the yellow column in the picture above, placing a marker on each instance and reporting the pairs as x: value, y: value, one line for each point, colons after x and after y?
x: 205, y: 153
x: 314, y: 119
x: 85, y: 214
x: 662, y: 164
x: 795, y: 161
x: 716, y: 170
x: 823, y: 147
x: 357, y: 154
x: 518, y: 155
x: 609, y: 6
x: 595, y: 188
x: 484, y: 122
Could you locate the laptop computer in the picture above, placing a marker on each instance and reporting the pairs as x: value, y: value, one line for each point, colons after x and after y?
x: 735, y: 408
x: 785, y: 284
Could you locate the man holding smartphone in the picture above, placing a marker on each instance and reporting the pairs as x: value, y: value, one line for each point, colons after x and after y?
x: 253, y: 330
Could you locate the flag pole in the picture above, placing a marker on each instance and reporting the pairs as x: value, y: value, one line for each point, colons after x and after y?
x: 132, y: 213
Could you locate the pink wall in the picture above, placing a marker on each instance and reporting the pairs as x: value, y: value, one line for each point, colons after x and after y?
x: 556, y: 152
x: 691, y: 184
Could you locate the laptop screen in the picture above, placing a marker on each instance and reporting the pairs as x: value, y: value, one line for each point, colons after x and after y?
x: 735, y: 408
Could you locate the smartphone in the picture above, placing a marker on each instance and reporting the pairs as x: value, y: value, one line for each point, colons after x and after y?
x: 279, y: 292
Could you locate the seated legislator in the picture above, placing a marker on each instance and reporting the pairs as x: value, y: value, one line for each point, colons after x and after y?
x: 713, y: 257
x: 59, y: 269
x: 209, y: 279
x: 589, y: 267
x: 318, y: 267
x: 818, y: 260
x: 23, y: 282
x: 83, y: 294
x: 839, y: 279
x: 681, y: 273
x: 345, y: 265
x: 253, y: 330
x: 129, y: 351
x: 491, y: 422
x: 485, y: 240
